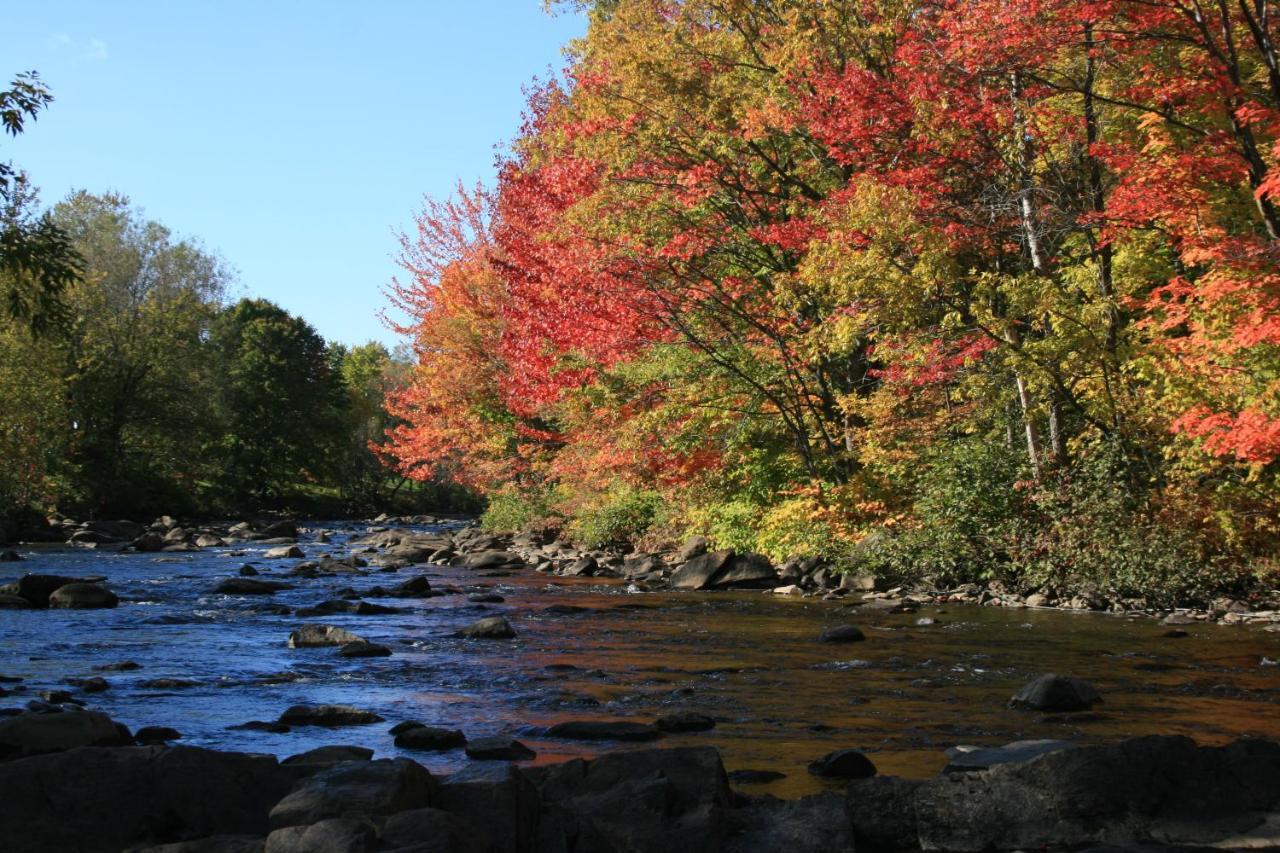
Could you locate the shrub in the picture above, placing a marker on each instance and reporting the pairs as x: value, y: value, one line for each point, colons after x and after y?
x: 623, y: 515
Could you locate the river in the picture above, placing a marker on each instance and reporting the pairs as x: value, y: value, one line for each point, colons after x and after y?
x: 748, y: 659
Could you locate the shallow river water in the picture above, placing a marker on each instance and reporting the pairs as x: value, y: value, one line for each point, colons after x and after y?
x: 748, y: 659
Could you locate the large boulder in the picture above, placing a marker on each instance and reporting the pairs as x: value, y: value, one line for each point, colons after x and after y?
x: 1052, y: 692
x: 491, y: 559
x: 1157, y: 789
x: 356, y: 789
x: 83, y: 596
x: 643, y: 801
x: 430, y: 738
x: 499, y: 801
x: 322, y: 635
x: 96, y: 799
x: 747, y: 570
x: 699, y: 572
x: 284, y: 552
x: 35, y: 734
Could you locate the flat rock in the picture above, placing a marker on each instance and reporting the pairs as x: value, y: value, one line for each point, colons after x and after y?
x: 963, y: 759
x: 499, y: 749
x: 621, y: 730
x: 327, y: 715
x: 430, y: 738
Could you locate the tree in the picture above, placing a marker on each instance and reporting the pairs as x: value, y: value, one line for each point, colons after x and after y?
x: 281, y: 404
x: 37, y: 260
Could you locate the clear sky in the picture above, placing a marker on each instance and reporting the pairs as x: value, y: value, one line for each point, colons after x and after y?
x: 291, y: 138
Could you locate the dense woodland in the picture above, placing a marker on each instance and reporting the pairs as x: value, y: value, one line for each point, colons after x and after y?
x: 132, y: 384
x: 961, y: 290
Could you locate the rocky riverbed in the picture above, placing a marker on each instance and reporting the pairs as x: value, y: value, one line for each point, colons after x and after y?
x: 420, y: 639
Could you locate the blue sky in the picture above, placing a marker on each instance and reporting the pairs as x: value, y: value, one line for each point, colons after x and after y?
x: 292, y: 138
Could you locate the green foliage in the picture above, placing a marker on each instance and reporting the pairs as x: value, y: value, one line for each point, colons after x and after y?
x: 623, y: 515
x: 513, y: 507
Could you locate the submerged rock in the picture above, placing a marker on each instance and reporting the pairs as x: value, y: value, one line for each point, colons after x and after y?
x: 684, y: 722
x: 963, y: 759
x: 842, y: 634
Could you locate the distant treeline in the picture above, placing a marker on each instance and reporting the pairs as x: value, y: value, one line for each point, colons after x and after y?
x: 144, y: 390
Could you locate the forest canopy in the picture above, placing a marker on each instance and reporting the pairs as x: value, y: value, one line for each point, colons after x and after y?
x: 958, y: 290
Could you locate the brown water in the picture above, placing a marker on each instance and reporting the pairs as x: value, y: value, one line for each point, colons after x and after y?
x: 748, y: 659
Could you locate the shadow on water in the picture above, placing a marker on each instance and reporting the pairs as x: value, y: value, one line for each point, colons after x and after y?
x: 747, y: 659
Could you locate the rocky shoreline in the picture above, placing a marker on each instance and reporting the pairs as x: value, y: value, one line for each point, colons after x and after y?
x: 393, y: 544
x: 78, y: 784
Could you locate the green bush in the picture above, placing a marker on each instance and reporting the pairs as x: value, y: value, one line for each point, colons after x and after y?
x: 513, y: 508
x: 623, y: 516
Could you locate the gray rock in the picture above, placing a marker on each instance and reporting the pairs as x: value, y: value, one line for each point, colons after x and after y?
x: 327, y: 715
x: 430, y: 738
x: 491, y: 559
x: 337, y: 835
x: 96, y: 799
x: 322, y: 635
x: 843, y: 764
x: 489, y: 628
x: 498, y: 749
x: 416, y: 587
x: 8, y: 555
x: 699, y: 572
x: 284, y: 552
x: 882, y: 812
x: 1052, y: 692
x: 35, y: 734
x: 694, y: 546
x: 582, y: 567
x: 621, y: 730
x: 83, y: 596
x: 14, y: 602
x: 356, y: 789
x: 353, y: 608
